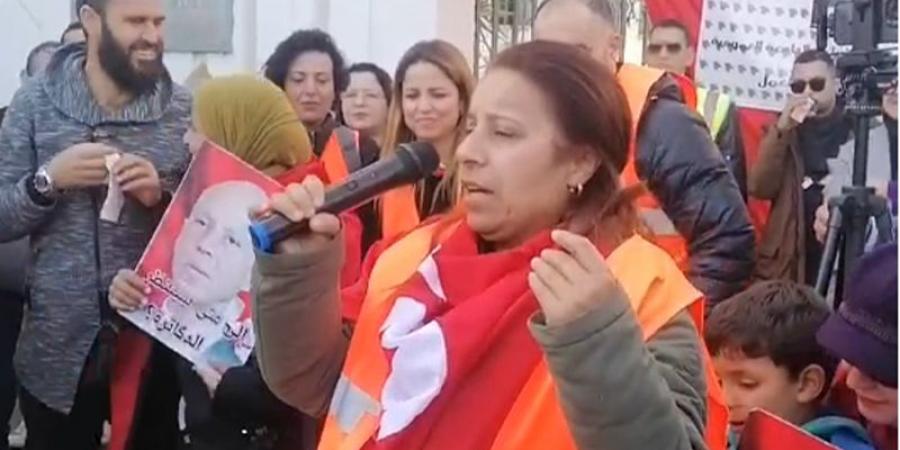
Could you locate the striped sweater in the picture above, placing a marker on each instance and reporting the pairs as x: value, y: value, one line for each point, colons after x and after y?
x: 74, y: 255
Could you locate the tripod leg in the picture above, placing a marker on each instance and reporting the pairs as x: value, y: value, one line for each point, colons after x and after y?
x: 826, y: 266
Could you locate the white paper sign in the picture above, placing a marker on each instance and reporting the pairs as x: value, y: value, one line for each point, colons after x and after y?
x: 747, y: 48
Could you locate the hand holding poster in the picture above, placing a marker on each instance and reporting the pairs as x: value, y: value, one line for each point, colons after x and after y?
x: 747, y: 48
x: 199, y: 262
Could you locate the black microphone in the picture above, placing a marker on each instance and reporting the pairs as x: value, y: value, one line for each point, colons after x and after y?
x: 411, y: 163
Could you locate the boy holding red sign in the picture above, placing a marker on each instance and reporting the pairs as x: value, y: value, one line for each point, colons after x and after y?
x: 764, y: 348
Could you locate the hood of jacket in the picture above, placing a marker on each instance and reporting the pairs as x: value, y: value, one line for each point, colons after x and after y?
x: 846, y: 433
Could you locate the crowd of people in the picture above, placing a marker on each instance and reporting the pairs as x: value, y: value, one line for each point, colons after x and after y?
x: 586, y: 240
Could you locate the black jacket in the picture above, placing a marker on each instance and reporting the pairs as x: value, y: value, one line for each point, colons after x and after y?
x: 682, y: 167
x: 14, y: 258
x: 243, y: 415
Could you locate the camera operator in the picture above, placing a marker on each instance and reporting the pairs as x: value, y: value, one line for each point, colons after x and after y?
x: 881, y: 173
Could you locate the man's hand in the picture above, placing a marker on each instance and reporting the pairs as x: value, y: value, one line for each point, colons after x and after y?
x: 570, y: 282
x: 80, y: 166
x: 889, y: 102
x: 787, y: 120
x: 138, y: 178
x: 820, y: 227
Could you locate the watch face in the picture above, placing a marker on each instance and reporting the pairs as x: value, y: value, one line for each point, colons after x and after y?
x: 42, y: 182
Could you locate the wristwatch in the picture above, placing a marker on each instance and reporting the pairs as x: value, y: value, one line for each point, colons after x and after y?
x: 43, y: 183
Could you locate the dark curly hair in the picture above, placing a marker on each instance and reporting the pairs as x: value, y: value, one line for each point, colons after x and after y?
x: 301, y: 42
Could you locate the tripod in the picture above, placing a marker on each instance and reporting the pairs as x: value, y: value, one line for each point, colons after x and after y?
x: 852, y: 211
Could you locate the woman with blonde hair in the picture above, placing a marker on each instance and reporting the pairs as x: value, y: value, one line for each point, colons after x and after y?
x: 433, y: 86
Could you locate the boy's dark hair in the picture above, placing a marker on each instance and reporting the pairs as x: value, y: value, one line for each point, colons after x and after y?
x: 810, y: 56
x: 673, y: 23
x: 301, y: 42
x: 384, y: 79
x: 773, y: 319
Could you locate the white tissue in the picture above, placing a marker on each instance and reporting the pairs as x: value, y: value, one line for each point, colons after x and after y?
x: 115, y: 199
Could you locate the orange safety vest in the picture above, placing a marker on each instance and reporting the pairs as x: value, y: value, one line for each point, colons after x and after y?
x: 657, y: 289
x: 398, y: 209
x: 342, y: 141
x: 637, y: 83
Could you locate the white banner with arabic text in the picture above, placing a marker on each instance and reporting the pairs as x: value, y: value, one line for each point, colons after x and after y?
x: 747, y: 47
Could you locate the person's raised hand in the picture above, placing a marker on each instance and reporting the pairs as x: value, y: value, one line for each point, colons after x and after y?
x: 572, y: 281
x: 297, y: 203
x: 80, y: 166
x: 787, y: 120
x: 138, y: 178
x: 820, y: 225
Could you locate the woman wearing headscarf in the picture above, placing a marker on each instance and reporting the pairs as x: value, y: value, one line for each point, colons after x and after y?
x: 251, y: 118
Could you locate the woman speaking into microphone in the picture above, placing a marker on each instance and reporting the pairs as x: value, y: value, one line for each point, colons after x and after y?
x: 532, y: 317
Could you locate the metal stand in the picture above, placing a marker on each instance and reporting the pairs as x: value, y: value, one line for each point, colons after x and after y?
x: 850, y: 216
x: 863, y: 70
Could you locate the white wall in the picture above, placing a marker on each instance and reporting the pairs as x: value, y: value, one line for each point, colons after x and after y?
x: 24, y: 24
x: 378, y: 31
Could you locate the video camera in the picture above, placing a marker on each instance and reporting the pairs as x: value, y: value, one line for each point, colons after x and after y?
x: 868, y: 68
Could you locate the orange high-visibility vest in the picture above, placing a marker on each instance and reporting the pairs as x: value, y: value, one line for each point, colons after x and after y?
x: 637, y: 83
x: 657, y: 290
x: 398, y: 209
x: 342, y: 143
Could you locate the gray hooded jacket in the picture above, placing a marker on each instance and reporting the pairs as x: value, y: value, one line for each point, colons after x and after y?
x: 74, y: 254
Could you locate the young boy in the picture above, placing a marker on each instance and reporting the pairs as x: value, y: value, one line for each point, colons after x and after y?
x: 764, y: 348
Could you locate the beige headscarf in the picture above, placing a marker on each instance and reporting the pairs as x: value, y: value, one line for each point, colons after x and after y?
x: 252, y: 118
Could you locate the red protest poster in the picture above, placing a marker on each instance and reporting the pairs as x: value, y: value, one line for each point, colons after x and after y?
x: 199, y: 262
x: 763, y: 431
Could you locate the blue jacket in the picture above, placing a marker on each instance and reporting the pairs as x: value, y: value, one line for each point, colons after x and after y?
x: 843, y: 433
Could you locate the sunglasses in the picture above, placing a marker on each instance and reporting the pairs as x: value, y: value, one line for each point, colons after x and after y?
x: 670, y: 48
x: 816, y: 84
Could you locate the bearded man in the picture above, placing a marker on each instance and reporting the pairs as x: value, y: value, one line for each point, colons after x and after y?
x: 105, y: 113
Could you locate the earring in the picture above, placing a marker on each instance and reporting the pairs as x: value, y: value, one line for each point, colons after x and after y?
x: 576, y: 190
